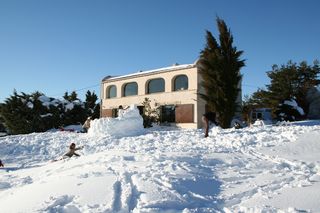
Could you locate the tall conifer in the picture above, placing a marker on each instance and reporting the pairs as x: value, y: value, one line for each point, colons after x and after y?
x: 219, y: 67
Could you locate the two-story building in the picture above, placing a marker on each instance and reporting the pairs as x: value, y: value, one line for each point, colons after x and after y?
x: 174, y: 89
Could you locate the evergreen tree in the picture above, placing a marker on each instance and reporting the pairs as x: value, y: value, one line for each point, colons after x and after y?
x: 284, y: 81
x: 289, y: 111
x: 2, y: 127
x: 219, y: 66
x: 24, y: 113
x: 91, y: 105
x: 308, y: 77
x: 149, y: 115
x: 72, y: 97
x: 290, y: 81
x: 66, y: 96
x: 16, y: 112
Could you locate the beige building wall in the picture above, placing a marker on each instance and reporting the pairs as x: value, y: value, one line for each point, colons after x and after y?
x: 168, y: 97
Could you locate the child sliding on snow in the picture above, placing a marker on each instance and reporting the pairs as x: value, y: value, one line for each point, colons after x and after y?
x: 72, y: 150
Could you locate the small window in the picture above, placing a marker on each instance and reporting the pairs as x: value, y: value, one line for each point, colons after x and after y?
x: 112, y: 91
x: 155, y: 85
x: 180, y: 83
x: 130, y: 89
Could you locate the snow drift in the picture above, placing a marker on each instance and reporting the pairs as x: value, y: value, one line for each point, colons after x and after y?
x: 254, y: 169
x: 128, y: 123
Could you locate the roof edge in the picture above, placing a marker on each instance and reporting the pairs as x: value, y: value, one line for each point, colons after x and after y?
x: 149, y: 72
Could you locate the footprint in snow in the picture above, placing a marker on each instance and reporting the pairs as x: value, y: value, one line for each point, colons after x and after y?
x: 4, y: 185
x: 129, y: 158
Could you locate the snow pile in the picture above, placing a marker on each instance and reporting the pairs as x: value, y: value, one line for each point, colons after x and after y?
x: 258, y: 123
x: 128, y: 123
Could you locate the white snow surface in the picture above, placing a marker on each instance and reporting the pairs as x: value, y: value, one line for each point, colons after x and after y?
x: 255, y: 169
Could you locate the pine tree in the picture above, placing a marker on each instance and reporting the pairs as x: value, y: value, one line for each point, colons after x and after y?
x: 24, y: 113
x: 149, y: 115
x: 72, y: 97
x: 307, y: 78
x: 290, y: 81
x: 219, y: 66
x: 2, y: 126
x: 289, y: 111
x: 91, y: 105
x: 284, y: 81
x: 16, y: 114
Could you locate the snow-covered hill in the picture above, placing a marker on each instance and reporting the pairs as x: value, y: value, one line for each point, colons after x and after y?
x: 257, y: 169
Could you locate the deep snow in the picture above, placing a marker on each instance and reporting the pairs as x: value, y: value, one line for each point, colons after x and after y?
x: 255, y: 169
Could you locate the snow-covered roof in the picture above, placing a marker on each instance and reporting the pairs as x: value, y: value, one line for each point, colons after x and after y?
x: 149, y: 72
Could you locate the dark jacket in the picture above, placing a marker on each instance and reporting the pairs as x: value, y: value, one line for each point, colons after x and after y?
x: 72, y: 152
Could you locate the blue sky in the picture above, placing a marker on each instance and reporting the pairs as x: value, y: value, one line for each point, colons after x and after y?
x: 65, y: 45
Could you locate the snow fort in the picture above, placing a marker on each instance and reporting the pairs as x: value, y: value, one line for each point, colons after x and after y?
x: 128, y: 123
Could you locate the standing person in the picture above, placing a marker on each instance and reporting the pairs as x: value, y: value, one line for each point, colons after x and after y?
x: 206, y: 119
x: 86, y: 124
x: 1, y: 164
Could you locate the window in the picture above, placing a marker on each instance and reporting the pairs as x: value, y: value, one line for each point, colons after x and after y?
x: 130, y: 89
x: 155, y: 85
x: 180, y: 83
x: 167, y: 114
x: 112, y: 91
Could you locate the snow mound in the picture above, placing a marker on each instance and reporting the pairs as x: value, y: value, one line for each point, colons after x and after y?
x: 129, y: 123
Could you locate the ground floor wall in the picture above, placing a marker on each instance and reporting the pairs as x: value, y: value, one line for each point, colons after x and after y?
x: 187, y: 105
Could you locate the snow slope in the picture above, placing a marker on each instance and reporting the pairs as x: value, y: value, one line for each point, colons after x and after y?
x: 257, y: 169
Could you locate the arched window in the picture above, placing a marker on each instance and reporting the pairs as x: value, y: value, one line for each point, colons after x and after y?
x: 180, y: 83
x: 155, y: 85
x: 112, y: 91
x: 130, y: 89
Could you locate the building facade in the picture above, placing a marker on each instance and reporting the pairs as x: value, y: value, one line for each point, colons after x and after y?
x: 172, y: 89
x: 175, y: 90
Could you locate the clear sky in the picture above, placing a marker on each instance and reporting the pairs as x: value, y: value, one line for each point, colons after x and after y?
x: 65, y: 45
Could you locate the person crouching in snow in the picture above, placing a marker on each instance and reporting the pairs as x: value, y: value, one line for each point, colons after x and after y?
x: 86, y: 124
x: 1, y: 164
x: 72, y: 150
